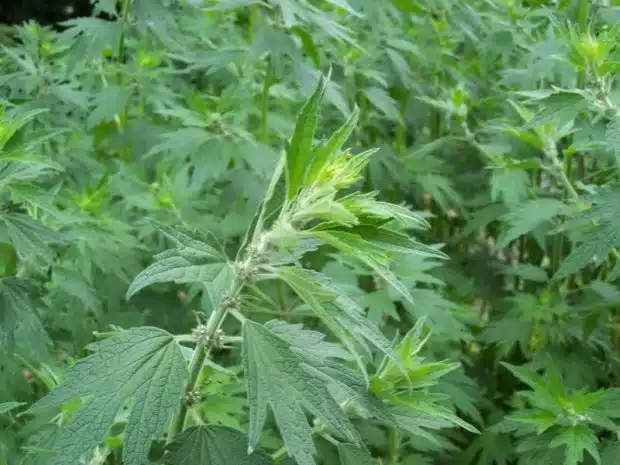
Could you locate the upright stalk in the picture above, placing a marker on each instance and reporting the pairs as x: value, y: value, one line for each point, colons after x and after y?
x: 125, y: 9
x: 265, y: 103
x: 203, y: 349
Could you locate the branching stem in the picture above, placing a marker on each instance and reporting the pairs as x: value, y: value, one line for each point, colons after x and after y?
x: 202, y: 351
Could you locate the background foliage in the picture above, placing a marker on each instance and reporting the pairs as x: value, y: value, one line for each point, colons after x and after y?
x: 499, y: 120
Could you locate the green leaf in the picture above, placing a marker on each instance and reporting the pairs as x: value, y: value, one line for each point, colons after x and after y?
x: 394, y: 242
x: 13, y: 122
x: 110, y: 102
x: 382, y: 101
x: 594, y: 249
x: 577, y: 439
x: 90, y: 38
x: 289, y: 369
x: 6, y: 407
x: 193, y: 260
x: 366, y: 207
x: 327, y: 150
x: 350, y: 454
x: 212, y: 445
x: 144, y: 364
x: 528, y: 216
x: 183, y: 142
x: 31, y: 238
x: 510, y: 185
x: 416, y: 411
x: 341, y: 314
x: 270, y: 207
x: 526, y: 271
x: 597, y: 229
x: 366, y: 252
x: 559, y: 108
x: 299, y: 154
x: 16, y: 308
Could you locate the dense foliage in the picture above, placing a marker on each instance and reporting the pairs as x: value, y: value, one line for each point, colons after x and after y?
x: 197, y: 268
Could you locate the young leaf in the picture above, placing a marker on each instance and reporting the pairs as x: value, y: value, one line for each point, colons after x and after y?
x: 339, y: 312
x: 289, y: 369
x: 325, y: 151
x: 193, y: 260
x: 577, y: 439
x: 299, y: 153
x: 369, y: 254
x: 212, y: 445
x: 270, y: 207
x: 366, y: 206
x: 144, y: 364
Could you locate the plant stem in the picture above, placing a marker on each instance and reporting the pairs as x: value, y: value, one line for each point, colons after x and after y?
x: 125, y: 9
x: 201, y: 352
x: 394, y: 446
x: 265, y: 103
x: 195, y: 367
x: 551, y: 152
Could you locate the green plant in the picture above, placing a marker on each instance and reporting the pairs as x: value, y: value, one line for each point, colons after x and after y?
x: 142, y: 371
x: 495, y: 122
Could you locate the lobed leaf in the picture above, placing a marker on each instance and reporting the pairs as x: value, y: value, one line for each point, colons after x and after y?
x: 144, y: 365
x: 289, y: 369
x: 212, y: 445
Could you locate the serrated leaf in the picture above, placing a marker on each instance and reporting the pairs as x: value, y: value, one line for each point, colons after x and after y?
x: 365, y: 206
x: 415, y: 411
x: 351, y: 454
x: 111, y: 101
x: 90, y: 37
x: 577, y: 439
x: 559, y: 108
x: 341, y: 314
x: 289, y: 369
x: 144, y: 364
x: 593, y: 250
x: 16, y: 307
x: 30, y: 237
x: 382, y: 101
x: 369, y: 254
x: 598, y: 231
x: 182, y: 142
x: 394, y: 242
x: 299, y: 153
x: 212, y: 445
x: 193, y: 260
x: 528, y: 216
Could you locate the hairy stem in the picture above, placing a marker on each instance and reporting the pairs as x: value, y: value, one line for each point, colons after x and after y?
x: 202, y: 351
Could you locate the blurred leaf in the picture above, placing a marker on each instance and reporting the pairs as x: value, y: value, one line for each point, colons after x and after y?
x: 211, y: 445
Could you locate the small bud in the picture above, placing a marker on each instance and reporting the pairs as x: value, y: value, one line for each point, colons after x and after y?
x: 202, y: 336
x: 193, y: 397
